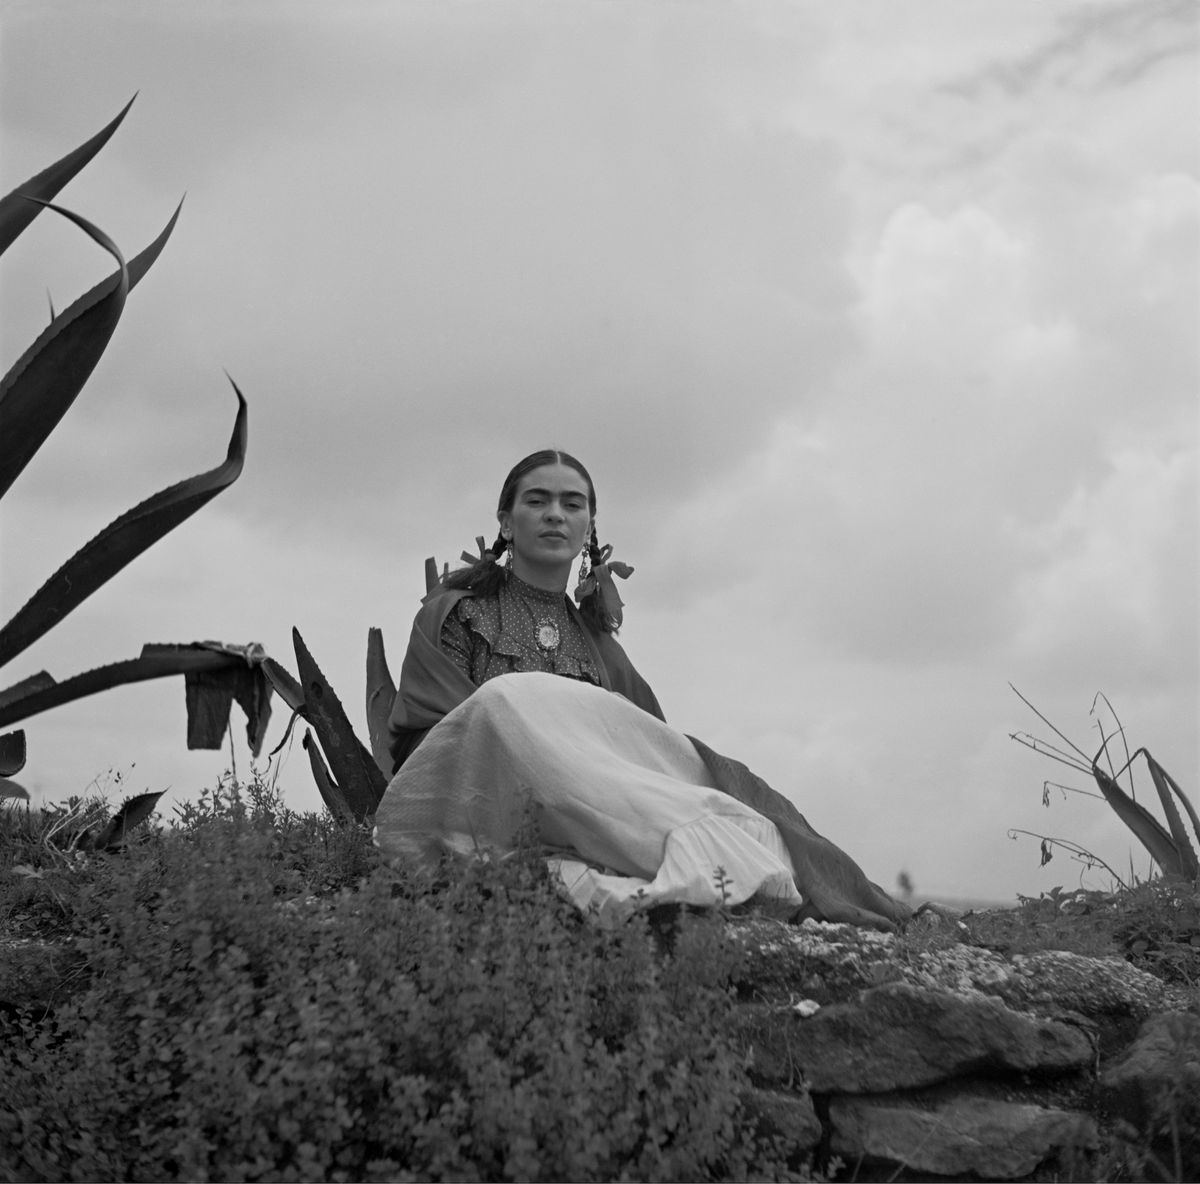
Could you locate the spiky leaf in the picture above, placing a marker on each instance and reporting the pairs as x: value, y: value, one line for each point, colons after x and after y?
x: 381, y: 693
x: 12, y: 753
x: 353, y: 767
x: 1145, y: 826
x: 17, y: 212
x: 26, y: 411
x: 10, y: 789
x: 330, y: 791
x: 1166, y: 785
x: 120, y: 543
x: 132, y: 813
x: 285, y: 686
x: 45, y: 381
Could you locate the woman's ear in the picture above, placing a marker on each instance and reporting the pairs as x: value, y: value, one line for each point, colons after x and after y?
x: 505, y: 520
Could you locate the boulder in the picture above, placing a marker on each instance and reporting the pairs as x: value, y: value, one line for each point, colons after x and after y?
x: 992, y: 1139
x: 899, y: 1036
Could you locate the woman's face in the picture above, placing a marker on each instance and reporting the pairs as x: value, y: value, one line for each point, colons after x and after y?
x: 549, y: 520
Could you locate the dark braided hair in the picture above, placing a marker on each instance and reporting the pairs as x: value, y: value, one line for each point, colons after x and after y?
x: 485, y: 575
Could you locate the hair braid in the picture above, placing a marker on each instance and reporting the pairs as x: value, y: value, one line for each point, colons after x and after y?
x: 484, y: 576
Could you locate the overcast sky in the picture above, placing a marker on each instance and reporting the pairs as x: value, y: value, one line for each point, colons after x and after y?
x: 875, y: 324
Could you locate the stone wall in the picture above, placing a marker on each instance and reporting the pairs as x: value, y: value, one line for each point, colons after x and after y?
x: 959, y: 1062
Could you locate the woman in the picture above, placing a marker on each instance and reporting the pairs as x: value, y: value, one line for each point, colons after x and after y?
x: 642, y: 814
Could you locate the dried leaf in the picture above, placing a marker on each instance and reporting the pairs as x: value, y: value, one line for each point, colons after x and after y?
x: 210, y: 695
x: 120, y: 543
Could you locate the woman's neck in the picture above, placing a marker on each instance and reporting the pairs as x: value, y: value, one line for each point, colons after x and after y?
x: 549, y: 579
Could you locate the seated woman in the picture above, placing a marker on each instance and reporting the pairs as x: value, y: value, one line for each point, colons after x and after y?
x: 513, y: 700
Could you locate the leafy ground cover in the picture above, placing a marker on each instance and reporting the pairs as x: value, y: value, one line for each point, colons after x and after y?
x: 260, y: 998
x: 264, y: 1000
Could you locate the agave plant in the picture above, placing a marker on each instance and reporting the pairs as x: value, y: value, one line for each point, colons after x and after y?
x: 34, y: 396
x: 353, y: 782
x: 1172, y: 846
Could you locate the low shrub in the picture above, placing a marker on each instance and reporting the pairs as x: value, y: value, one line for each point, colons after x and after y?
x: 240, y: 1025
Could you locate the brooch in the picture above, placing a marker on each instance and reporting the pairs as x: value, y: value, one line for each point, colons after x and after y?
x: 547, y: 635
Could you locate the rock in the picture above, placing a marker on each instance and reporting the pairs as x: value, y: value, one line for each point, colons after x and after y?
x: 991, y: 1139
x: 789, y: 1118
x: 899, y: 1037
x: 1160, y: 1068
x: 1095, y: 987
x: 815, y: 959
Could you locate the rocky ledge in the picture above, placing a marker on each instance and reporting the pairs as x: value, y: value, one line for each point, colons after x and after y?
x: 911, y: 1061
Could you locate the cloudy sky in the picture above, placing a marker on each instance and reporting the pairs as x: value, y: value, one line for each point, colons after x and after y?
x: 875, y: 324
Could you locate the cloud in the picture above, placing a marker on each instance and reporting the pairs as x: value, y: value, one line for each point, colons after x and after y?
x: 879, y: 342
x: 1115, y: 583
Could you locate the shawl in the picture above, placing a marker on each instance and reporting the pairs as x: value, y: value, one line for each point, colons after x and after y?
x: 431, y: 685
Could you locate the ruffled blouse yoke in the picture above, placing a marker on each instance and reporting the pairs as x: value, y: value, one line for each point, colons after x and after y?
x: 521, y: 630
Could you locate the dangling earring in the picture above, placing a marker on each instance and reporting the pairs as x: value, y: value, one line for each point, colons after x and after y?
x: 508, y: 553
x: 585, y: 565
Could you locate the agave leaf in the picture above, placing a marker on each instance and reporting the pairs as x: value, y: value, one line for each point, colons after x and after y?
x: 120, y: 543
x: 10, y: 789
x: 16, y: 212
x: 132, y: 813
x: 34, y: 395
x: 284, y: 685
x: 1165, y: 784
x: 12, y: 753
x: 27, y: 686
x: 1145, y: 826
x: 155, y: 661
x: 381, y: 692
x: 354, y: 768
x: 330, y: 791
x: 45, y: 381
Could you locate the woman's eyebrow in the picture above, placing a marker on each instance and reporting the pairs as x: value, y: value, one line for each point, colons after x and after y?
x: 538, y: 492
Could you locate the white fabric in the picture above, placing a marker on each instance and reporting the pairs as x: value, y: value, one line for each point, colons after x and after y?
x: 627, y: 796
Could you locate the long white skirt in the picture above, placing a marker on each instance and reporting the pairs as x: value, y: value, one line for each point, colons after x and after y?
x: 626, y: 798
